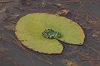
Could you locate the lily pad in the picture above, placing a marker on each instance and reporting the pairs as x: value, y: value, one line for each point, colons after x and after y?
x: 30, y: 27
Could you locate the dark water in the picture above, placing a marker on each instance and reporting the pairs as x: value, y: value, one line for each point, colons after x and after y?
x: 86, y: 13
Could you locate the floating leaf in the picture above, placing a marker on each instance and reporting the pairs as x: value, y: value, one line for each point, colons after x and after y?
x: 30, y: 29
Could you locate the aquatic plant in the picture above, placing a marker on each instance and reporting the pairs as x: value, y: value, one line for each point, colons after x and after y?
x: 41, y: 32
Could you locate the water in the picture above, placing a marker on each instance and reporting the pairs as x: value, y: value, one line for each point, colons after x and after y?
x: 86, y: 13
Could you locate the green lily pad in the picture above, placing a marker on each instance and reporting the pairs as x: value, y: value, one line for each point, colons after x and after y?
x: 30, y: 27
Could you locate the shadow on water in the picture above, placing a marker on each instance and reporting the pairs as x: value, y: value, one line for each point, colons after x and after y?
x: 86, y: 13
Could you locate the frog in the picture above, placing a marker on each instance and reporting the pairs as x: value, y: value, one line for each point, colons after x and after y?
x: 51, y: 34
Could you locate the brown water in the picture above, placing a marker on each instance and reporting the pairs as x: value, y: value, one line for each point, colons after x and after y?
x: 86, y: 13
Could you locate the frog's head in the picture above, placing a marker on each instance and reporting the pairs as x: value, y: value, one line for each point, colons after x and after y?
x: 51, y: 34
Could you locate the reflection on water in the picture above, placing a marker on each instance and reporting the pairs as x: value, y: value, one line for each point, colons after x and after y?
x: 86, y: 13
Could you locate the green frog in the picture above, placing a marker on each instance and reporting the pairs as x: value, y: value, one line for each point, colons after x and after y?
x: 51, y: 34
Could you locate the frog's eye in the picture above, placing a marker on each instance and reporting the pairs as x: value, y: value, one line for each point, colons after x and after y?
x: 51, y: 34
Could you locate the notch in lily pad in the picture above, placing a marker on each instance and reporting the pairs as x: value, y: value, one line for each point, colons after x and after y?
x: 41, y: 30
